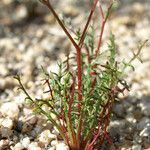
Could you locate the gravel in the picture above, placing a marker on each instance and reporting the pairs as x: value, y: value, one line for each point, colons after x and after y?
x: 26, y: 45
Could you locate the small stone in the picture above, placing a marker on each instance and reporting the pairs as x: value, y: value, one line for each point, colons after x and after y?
x: 5, y: 132
x: 38, y: 129
x: 18, y: 146
x: 70, y: 11
x: 7, y: 2
x: 143, y: 123
x: 137, y: 147
x: 8, y: 123
x: 15, y: 139
x: 4, y: 70
x: 55, y: 131
x: 49, y: 19
x: 146, y: 131
x: 130, y: 118
x: 25, y: 142
x: 9, y: 109
x: 46, y: 136
x: 34, y: 146
x: 8, y: 83
x: 137, y: 138
x: 33, y: 120
x: 62, y: 146
x: 138, y: 8
x: 145, y: 106
x: 137, y: 114
x: 26, y: 127
x: 21, y: 13
x: 52, y: 148
x: 1, y: 120
x: 4, y: 144
x: 119, y: 110
x: 27, y: 112
x: 146, y: 143
x: 54, y: 143
x: 19, y: 126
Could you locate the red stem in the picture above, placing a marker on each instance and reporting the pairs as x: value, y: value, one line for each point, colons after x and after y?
x: 50, y: 89
x: 72, y: 91
x: 104, y: 19
x: 91, y: 145
x: 87, y: 24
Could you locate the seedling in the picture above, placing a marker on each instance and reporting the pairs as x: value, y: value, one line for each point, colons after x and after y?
x: 83, y: 92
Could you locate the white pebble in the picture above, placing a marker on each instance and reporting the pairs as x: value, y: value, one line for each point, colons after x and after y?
x: 10, y: 109
x: 1, y: 143
x: 62, y: 146
x: 18, y: 146
x: 25, y: 142
x: 52, y: 148
x: 54, y: 143
x: 46, y: 136
x: 136, y: 147
x: 7, y: 123
x: 34, y: 146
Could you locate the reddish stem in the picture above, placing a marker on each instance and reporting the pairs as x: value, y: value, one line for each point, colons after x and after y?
x: 104, y: 19
x: 87, y: 24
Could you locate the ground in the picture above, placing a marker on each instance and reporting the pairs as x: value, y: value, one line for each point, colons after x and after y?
x: 29, y: 40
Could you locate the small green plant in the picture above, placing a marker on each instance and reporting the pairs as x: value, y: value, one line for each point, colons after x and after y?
x: 82, y: 93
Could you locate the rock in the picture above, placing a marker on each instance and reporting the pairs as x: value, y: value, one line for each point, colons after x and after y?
x: 7, y: 2
x: 9, y: 109
x: 33, y: 120
x: 19, y: 125
x: 138, y: 8
x: 146, y: 131
x: 26, y: 128
x: 34, y: 146
x: 38, y: 129
x: 15, y: 138
x: 18, y: 146
x: 145, y: 106
x: 119, y: 110
x: 1, y: 120
x: 137, y: 114
x: 8, y: 123
x: 52, y: 148
x: 54, y: 143
x: 137, y: 147
x: 49, y: 19
x: 137, y: 138
x: 70, y: 11
x: 4, y: 145
x: 143, y: 123
x: 20, y: 13
x: 146, y: 143
x: 62, y: 146
x: 130, y: 118
x: 6, y: 132
x: 46, y: 136
x: 4, y: 70
x: 55, y: 132
x: 27, y: 112
x: 8, y: 83
x: 25, y: 142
